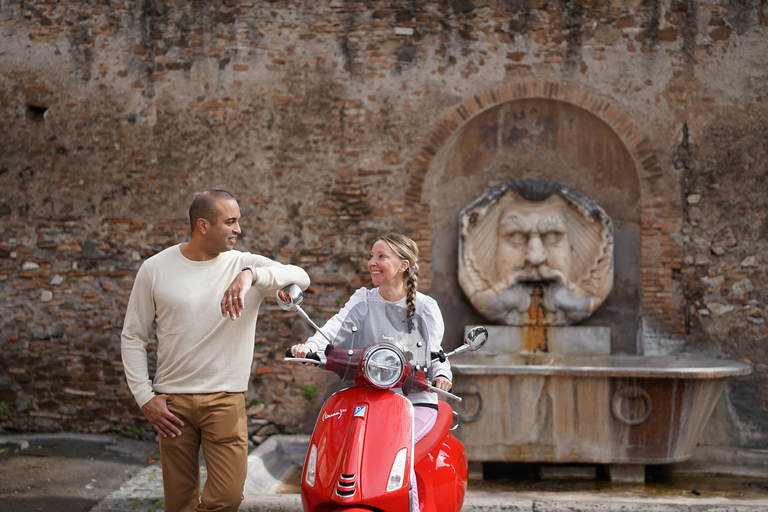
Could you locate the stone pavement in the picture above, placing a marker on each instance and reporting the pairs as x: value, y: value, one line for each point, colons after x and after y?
x: 279, y: 458
x: 276, y: 457
x: 144, y: 494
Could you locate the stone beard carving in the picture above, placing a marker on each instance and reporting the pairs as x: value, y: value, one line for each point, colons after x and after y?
x: 535, y: 253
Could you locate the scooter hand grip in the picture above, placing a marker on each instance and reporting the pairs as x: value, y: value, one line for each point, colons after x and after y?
x: 310, y: 355
x: 434, y: 385
x: 439, y: 355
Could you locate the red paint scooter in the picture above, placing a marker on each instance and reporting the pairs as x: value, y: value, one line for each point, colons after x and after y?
x: 361, y: 451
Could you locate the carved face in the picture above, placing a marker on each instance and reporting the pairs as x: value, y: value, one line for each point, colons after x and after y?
x: 533, y: 243
x: 509, y: 241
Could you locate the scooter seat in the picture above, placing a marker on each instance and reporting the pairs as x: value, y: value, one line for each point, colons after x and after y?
x: 442, y: 426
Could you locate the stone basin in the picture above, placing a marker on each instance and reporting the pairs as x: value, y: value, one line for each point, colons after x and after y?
x: 602, y: 365
x: 582, y: 408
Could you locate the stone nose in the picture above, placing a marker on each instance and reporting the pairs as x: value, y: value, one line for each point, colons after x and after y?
x: 534, y: 254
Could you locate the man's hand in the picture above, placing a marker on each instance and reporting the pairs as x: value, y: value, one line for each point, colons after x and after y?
x: 156, y: 411
x: 234, y: 298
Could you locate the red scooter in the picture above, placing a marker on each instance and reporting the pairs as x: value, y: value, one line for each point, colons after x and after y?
x: 361, y: 451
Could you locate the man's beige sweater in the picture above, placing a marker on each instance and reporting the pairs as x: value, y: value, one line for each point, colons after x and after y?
x: 199, y: 350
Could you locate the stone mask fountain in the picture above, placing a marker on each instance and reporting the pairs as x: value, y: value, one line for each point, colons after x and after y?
x: 536, y: 258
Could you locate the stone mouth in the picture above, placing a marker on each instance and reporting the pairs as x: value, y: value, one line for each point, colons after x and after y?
x: 536, y: 280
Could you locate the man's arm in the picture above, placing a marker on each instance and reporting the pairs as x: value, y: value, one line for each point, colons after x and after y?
x: 138, y: 319
x: 267, y: 275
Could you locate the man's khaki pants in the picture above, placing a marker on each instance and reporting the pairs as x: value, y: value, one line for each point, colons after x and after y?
x: 217, y: 421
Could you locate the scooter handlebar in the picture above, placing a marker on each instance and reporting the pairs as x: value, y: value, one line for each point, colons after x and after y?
x: 311, y: 356
x: 444, y: 393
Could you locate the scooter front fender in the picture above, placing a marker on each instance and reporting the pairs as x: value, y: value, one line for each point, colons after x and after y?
x: 442, y: 477
x: 357, y: 437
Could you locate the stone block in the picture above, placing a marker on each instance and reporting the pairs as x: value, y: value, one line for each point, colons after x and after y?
x: 564, y: 340
x: 626, y: 473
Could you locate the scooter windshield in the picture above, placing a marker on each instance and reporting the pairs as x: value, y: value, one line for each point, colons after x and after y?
x: 371, y: 323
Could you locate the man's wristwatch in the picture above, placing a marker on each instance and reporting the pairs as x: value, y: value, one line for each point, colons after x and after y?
x: 253, y: 274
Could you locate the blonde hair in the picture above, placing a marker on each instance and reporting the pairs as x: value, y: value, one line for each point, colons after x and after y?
x: 406, y: 249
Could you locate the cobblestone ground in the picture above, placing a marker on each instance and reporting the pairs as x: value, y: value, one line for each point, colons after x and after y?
x: 142, y: 493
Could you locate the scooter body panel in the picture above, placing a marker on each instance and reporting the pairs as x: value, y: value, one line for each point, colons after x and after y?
x: 358, y: 434
x: 442, y: 477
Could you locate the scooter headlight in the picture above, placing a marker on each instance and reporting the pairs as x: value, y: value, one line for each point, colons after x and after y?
x: 383, y: 367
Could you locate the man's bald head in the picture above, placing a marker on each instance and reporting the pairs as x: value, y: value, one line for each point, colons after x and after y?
x: 204, y: 206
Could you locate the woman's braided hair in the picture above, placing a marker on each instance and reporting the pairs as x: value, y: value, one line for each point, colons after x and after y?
x: 406, y: 249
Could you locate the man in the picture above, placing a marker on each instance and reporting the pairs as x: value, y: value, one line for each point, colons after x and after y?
x: 204, y: 360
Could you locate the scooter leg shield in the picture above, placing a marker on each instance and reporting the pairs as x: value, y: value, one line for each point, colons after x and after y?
x: 355, y: 446
x: 442, y: 486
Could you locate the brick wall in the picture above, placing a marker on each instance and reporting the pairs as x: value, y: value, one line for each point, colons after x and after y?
x: 324, y: 120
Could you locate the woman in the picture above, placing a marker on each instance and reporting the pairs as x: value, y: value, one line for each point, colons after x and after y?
x: 394, y: 270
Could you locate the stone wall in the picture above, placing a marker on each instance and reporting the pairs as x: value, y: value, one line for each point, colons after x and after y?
x: 327, y: 121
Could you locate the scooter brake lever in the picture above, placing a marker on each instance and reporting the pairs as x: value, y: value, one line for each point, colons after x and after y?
x: 444, y: 393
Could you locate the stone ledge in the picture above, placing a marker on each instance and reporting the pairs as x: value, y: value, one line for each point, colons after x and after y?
x: 8, y: 448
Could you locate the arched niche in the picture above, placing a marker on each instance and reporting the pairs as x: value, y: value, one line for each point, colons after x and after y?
x: 545, y: 139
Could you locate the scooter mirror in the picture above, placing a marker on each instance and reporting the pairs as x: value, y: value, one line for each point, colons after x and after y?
x: 290, y: 298
x: 476, y: 338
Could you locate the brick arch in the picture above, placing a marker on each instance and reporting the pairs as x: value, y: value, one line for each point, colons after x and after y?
x: 661, y: 218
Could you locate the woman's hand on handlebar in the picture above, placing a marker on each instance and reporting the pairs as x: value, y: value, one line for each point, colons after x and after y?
x: 302, y: 351
x: 443, y: 383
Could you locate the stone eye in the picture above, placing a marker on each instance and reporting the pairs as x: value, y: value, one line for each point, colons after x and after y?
x: 551, y: 238
x: 517, y: 238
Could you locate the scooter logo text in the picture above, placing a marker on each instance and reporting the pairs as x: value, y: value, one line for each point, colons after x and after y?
x: 335, y: 414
